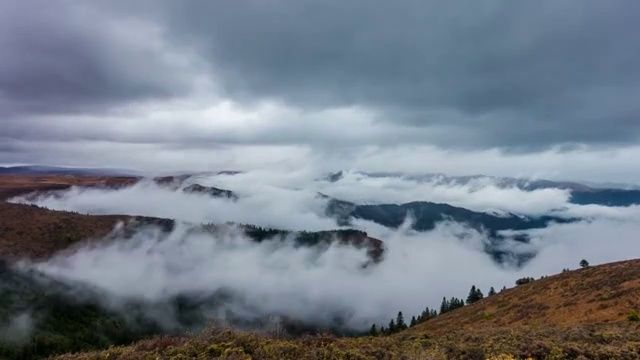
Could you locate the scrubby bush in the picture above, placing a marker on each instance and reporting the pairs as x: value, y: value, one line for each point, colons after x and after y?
x: 524, y: 280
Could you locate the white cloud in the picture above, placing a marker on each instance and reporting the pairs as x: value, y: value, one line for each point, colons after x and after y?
x: 418, y: 268
x: 478, y: 195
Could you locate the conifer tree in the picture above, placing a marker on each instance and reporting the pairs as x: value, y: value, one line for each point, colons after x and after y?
x: 444, y: 307
x: 427, y: 314
x: 472, y: 295
x: 400, y: 324
x: 373, y: 331
x: 414, y: 321
x: 392, y: 327
x: 492, y: 291
x: 475, y: 294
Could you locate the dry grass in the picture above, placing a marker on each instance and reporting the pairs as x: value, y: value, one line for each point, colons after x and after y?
x: 14, y: 185
x: 594, y: 295
x: 29, y: 231
x: 583, y: 342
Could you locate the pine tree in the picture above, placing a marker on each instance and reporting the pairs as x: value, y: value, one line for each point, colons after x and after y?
x: 444, y: 307
x: 392, y: 327
x: 472, y: 295
x: 455, y: 303
x: 400, y: 324
x: 427, y: 314
x: 422, y: 317
x: 492, y: 291
x: 373, y: 331
x: 414, y: 321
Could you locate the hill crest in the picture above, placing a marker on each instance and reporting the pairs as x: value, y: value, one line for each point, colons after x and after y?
x: 599, y: 294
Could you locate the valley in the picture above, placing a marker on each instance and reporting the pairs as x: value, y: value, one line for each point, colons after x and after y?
x: 63, y: 314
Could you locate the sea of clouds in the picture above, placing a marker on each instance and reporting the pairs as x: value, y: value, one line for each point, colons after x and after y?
x: 418, y: 268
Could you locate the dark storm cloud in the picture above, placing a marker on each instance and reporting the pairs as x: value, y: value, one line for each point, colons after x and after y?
x: 517, y: 75
x: 513, y: 73
x: 63, y: 57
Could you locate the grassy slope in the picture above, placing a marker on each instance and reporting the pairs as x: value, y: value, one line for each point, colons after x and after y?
x: 598, y: 294
x: 48, y: 231
x: 14, y: 185
x: 34, y: 232
x: 595, y: 342
x: 580, y: 314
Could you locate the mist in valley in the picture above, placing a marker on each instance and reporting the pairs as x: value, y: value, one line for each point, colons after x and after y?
x: 326, y: 286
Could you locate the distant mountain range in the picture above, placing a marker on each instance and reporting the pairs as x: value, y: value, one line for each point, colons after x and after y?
x: 59, y: 170
x: 581, y: 193
x: 424, y: 215
x: 54, y: 170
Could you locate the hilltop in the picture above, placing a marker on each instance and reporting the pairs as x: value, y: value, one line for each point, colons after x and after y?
x: 20, y: 184
x: 603, y: 294
x: 29, y: 231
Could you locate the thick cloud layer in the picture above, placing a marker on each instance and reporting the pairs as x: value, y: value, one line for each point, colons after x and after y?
x: 211, y: 85
x: 290, y: 200
x: 59, y: 57
x: 278, y: 278
x: 498, y: 72
x: 302, y: 284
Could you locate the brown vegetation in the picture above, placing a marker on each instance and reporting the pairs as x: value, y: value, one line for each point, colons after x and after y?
x: 30, y: 231
x: 582, y: 342
x: 15, y: 185
x: 581, y: 314
x: 593, y: 295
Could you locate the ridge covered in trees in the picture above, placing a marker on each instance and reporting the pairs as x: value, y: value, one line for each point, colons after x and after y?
x: 398, y: 324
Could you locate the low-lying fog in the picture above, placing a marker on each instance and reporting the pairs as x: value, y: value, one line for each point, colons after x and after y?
x: 417, y: 271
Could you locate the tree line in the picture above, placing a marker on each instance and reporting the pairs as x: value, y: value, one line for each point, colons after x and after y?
x: 475, y: 294
x: 398, y: 323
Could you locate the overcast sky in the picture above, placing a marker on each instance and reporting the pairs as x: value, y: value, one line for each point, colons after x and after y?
x: 518, y: 88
